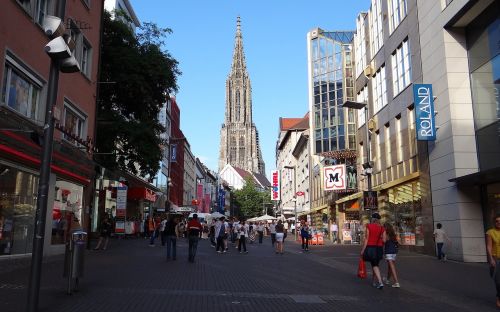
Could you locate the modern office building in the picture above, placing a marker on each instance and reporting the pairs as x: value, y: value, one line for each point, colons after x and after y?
x: 387, y: 64
x: 239, y: 138
x: 461, y: 59
x: 332, y: 127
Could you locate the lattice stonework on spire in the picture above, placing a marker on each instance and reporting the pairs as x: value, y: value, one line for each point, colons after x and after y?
x: 239, y: 145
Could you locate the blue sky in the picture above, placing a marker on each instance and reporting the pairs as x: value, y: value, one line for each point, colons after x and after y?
x: 274, y: 40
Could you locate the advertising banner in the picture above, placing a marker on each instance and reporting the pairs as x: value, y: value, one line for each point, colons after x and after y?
x: 334, y: 178
x: 121, y: 209
x: 199, y: 196
x: 370, y: 201
x: 424, y: 112
x: 173, y: 153
x: 222, y: 200
x: 275, y: 185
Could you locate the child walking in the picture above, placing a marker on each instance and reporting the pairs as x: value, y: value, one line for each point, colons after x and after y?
x: 390, y: 251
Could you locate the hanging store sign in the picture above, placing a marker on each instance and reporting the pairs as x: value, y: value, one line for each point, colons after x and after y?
x: 275, y: 185
x: 334, y: 178
x: 173, y: 153
x: 370, y: 201
x: 121, y: 209
x: 424, y: 112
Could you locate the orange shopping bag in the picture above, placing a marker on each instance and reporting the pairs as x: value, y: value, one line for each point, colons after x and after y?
x: 361, y: 268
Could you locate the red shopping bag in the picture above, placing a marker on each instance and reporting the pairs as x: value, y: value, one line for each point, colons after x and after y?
x: 361, y: 268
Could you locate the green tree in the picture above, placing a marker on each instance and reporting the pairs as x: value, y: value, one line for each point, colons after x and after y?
x: 251, y: 200
x: 137, y: 75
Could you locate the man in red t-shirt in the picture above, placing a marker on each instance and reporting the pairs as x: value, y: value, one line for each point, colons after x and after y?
x: 194, y: 231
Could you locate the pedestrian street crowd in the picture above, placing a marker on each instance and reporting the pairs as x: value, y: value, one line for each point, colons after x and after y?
x: 380, y: 241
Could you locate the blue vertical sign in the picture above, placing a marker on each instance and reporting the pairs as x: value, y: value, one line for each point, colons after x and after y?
x: 173, y: 153
x: 424, y: 112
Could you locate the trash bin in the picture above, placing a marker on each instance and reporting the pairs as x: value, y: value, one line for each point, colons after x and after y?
x: 73, y: 258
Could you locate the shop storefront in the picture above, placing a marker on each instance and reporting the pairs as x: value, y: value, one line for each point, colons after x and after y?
x: 18, y: 189
x: 67, y: 210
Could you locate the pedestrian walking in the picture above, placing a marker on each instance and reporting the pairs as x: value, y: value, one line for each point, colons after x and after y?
x: 104, y: 234
x: 154, y: 227
x: 171, y: 237
x: 212, y: 233
x: 272, y: 229
x: 372, y: 250
x: 493, y: 254
x: 242, y: 231
x: 194, y: 229
x: 391, y: 247
x: 251, y: 233
x: 305, y: 235
x: 260, y: 231
x: 439, y: 238
x: 162, y: 230
x: 220, y: 232
x: 334, y: 229
x: 280, y: 229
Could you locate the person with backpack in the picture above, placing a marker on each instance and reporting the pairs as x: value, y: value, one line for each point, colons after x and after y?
x: 372, y: 250
x: 194, y: 229
x: 391, y: 247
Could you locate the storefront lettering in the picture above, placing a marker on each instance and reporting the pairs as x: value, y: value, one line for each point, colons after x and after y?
x: 424, y: 112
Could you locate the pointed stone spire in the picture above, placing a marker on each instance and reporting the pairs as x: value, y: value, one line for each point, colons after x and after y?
x: 238, y: 66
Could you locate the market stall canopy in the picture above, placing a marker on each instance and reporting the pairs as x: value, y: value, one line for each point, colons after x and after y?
x: 217, y: 215
x: 265, y: 218
x: 252, y: 219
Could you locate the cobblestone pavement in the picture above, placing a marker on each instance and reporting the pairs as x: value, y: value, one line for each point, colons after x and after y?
x: 131, y: 276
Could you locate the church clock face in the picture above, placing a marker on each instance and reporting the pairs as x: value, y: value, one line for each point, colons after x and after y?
x: 239, y: 141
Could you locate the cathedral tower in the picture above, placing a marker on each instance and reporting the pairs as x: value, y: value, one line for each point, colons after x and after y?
x: 239, y: 139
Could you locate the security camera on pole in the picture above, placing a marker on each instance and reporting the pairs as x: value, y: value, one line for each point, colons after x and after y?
x: 61, y: 60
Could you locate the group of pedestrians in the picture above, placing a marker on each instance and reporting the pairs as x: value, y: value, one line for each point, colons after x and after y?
x: 381, y: 242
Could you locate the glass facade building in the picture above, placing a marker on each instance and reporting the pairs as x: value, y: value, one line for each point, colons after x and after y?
x: 330, y: 66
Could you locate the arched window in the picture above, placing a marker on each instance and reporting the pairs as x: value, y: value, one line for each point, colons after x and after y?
x: 238, y: 106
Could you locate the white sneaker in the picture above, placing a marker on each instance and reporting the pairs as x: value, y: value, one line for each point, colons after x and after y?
x: 395, y: 285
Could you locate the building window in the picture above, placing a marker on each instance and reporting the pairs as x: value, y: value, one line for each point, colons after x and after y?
x: 376, y: 31
x: 388, y: 154
x: 379, y: 90
x: 42, y: 10
x: 412, y: 135
x: 397, y: 12
x: 21, y: 90
x: 401, y: 69
x: 378, y: 155
x: 399, y: 141
x: 85, y: 63
x: 74, y: 123
x: 360, y: 45
x: 362, y: 97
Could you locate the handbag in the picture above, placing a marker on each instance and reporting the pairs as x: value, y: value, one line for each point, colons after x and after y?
x: 361, y: 268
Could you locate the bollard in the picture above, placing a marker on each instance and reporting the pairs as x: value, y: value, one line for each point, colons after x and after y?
x: 73, y: 259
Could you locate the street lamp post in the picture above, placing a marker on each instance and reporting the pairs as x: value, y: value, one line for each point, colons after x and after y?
x: 294, y: 196
x: 367, y: 165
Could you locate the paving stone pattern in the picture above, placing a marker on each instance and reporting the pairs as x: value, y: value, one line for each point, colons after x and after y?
x: 131, y: 276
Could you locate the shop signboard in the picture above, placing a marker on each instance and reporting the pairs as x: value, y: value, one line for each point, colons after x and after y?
x: 424, y: 112
x: 121, y: 209
x: 370, y: 200
x: 173, y: 153
x: 275, y: 185
x: 335, y: 178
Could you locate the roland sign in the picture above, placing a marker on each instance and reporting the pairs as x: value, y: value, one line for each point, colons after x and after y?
x: 424, y: 112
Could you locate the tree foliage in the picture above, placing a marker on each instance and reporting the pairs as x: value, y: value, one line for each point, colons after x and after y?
x: 251, y: 201
x: 137, y: 75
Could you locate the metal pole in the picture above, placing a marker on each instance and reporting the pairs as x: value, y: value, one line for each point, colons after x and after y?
x: 295, y: 197
x: 43, y: 186
x: 368, y: 143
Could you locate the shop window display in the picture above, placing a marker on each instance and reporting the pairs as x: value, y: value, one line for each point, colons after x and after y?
x: 404, y: 209
x: 18, y: 191
x: 67, y: 210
